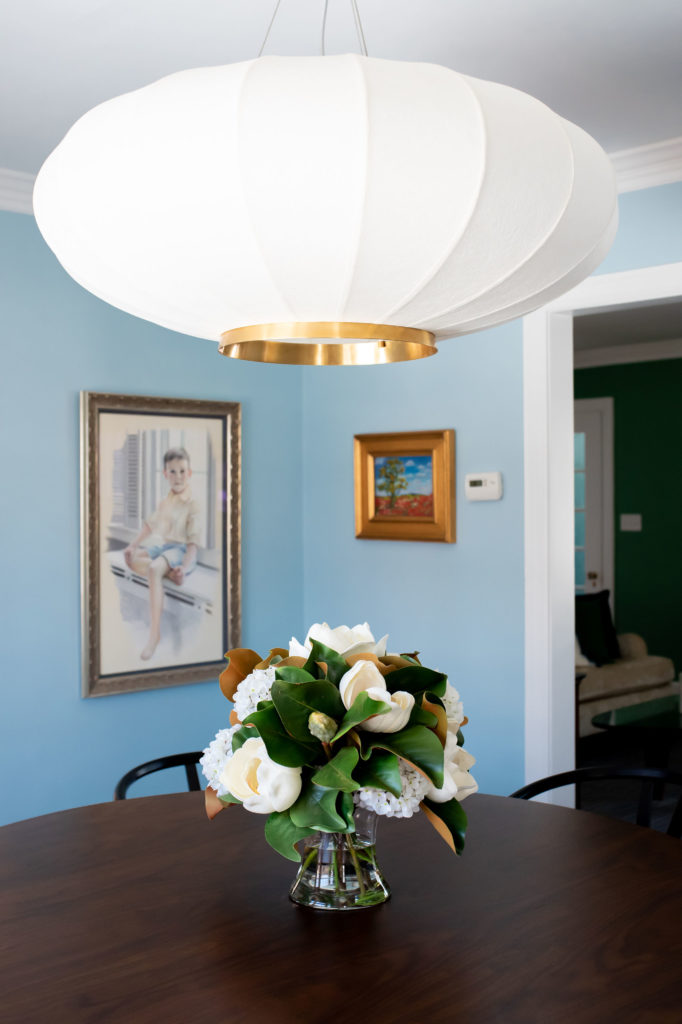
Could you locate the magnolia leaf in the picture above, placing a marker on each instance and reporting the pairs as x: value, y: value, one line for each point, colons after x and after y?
x: 362, y: 708
x: 315, y: 810
x: 337, y: 774
x: 416, y: 679
x: 283, y: 835
x: 354, y: 738
x: 449, y: 820
x: 384, y: 668
x: 234, y: 718
x: 460, y: 738
x: 418, y: 716
x: 347, y: 811
x: 212, y: 803
x: 293, y: 659
x: 275, y: 656
x: 336, y: 666
x: 396, y: 661
x: 439, y: 825
x: 293, y: 674
x: 416, y: 744
x: 434, y: 707
x: 239, y: 738
x: 281, y: 747
x: 240, y: 663
x: 413, y: 657
x: 295, y: 702
x: 380, y: 771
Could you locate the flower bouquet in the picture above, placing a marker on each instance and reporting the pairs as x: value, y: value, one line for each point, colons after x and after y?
x: 327, y: 735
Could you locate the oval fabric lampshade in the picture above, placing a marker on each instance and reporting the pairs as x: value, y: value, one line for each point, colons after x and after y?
x: 287, y: 204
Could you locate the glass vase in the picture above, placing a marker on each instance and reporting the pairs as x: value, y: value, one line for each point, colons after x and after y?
x: 339, y: 870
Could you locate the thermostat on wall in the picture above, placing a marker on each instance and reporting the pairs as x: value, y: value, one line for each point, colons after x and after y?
x: 483, y: 486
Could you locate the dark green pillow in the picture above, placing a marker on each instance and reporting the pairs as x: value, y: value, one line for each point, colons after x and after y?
x: 594, y: 628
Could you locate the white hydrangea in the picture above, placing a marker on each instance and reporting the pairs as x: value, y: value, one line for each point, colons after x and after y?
x: 454, y: 708
x: 254, y: 688
x: 216, y: 756
x: 403, y: 806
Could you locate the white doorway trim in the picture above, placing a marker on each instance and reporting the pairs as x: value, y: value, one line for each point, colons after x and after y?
x: 548, y: 515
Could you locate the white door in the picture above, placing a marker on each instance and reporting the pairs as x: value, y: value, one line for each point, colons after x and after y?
x: 593, y: 465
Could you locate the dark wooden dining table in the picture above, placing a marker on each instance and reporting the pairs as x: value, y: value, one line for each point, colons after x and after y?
x: 144, y: 912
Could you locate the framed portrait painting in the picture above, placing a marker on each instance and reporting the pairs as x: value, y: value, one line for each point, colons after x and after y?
x: 160, y: 540
x: 405, y: 486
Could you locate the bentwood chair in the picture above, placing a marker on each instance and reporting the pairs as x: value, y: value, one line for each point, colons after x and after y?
x: 188, y: 761
x: 648, y: 777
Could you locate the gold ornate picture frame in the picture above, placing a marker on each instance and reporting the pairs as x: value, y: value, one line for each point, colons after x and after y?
x: 405, y: 486
x: 160, y: 540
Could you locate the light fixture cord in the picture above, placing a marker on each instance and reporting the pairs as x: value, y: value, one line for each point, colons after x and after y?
x: 358, y: 27
x: 272, y: 21
x: 356, y: 16
x: 324, y: 25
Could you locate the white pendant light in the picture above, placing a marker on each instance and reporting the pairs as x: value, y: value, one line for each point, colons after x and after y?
x: 326, y: 209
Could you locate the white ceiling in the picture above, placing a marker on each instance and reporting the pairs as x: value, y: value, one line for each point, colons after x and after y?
x: 611, y: 66
x: 633, y: 325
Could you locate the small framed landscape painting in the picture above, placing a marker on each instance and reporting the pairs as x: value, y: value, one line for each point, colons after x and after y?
x: 405, y: 486
x: 160, y: 535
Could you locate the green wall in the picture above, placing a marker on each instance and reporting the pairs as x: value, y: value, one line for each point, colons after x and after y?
x: 648, y: 479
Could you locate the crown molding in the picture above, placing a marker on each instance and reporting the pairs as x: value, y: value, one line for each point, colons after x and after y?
x: 16, y: 191
x: 659, y: 163
x: 639, y: 352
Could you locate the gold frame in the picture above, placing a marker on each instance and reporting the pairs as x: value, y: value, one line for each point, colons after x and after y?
x: 93, y: 683
x: 440, y: 445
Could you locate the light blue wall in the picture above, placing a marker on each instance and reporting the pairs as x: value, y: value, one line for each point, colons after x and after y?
x: 57, y: 750
x: 650, y: 230
x: 461, y: 604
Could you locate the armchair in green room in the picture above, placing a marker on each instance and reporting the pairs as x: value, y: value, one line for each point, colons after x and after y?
x: 633, y: 677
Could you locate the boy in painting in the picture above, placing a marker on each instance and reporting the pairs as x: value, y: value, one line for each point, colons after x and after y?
x: 167, y: 543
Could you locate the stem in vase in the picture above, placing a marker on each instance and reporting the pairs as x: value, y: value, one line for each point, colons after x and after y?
x: 356, y: 864
x: 311, y: 856
x: 335, y: 862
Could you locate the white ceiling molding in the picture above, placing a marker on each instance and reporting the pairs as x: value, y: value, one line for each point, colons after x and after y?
x: 659, y: 163
x: 16, y: 191
x: 641, y: 352
x: 643, y: 167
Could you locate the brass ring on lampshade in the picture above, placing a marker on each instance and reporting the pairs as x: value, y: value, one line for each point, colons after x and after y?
x: 278, y: 343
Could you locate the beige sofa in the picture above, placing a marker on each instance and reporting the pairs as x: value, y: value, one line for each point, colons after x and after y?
x: 633, y: 678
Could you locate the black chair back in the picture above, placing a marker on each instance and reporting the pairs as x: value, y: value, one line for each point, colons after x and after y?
x: 188, y: 761
x: 648, y: 777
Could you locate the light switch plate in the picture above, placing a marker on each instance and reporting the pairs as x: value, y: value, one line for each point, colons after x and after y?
x: 631, y: 522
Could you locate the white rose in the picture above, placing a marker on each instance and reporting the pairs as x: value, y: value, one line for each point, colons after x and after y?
x: 345, y: 641
x: 365, y: 676
x: 390, y: 721
x: 457, y: 781
x: 260, y: 783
